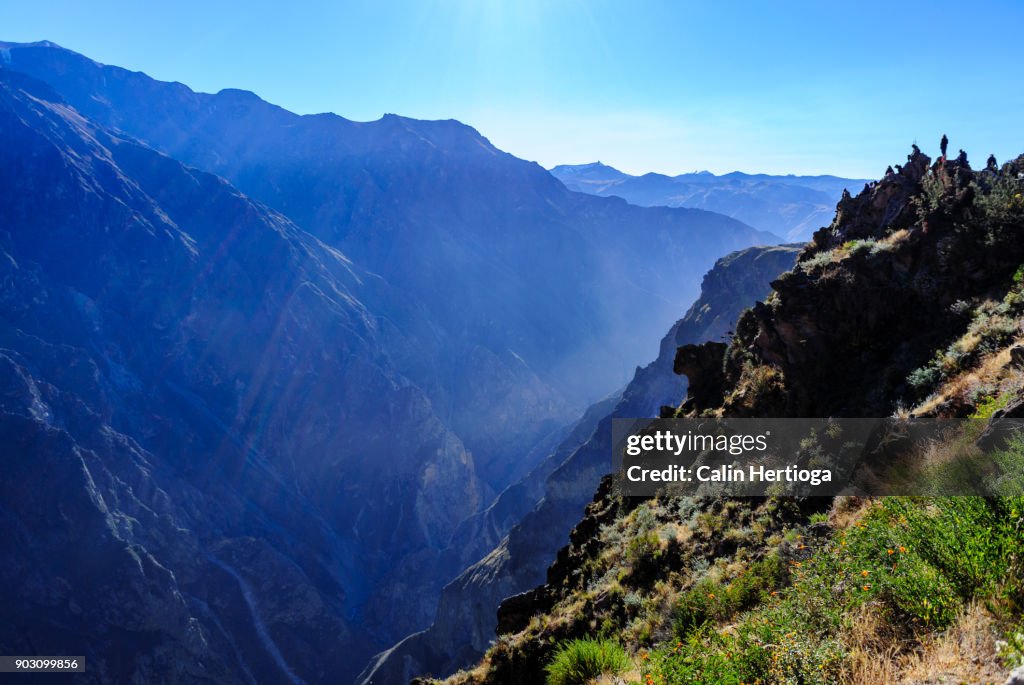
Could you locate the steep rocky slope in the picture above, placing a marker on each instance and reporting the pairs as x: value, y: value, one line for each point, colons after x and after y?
x: 464, y: 625
x: 910, y: 302
x: 790, y: 206
x: 193, y: 388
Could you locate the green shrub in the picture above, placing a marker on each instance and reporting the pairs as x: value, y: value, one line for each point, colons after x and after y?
x: 643, y: 549
x: 697, y: 606
x: 1009, y: 481
x: 645, y: 519
x: 1001, y: 210
x: 710, y: 601
x: 990, y: 405
x: 758, y: 651
x: 918, y: 561
x: 704, y: 657
x: 580, y: 661
x: 820, y: 259
x: 925, y: 378
x: 855, y: 247
x: 932, y: 202
x: 927, y: 556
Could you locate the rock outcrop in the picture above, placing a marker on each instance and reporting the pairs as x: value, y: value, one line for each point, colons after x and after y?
x: 876, y: 293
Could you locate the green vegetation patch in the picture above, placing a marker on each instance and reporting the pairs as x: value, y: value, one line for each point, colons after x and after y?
x: 918, y: 561
x: 579, y: 661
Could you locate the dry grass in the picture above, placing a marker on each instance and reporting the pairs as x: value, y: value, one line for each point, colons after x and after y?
x: 993, y: 370
x: 896, y: 237
x: 476, y: 675
x: 874, y: 651
x: 763, y: 378
x: 966, y: 653
x: 632, y: 676
x: 868, y: 668
x: 847, y: 510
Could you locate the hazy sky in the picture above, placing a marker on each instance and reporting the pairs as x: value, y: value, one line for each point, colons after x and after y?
x: 778, y: 86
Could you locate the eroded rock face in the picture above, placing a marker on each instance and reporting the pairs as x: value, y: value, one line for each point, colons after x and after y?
x: 190, y: 391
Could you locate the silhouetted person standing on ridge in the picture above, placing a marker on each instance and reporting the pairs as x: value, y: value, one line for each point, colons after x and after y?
x: 943, y: 144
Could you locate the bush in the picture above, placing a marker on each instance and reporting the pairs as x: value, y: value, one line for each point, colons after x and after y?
x: 705, y: 657
x: 856, y: 247
x: 710, y: 601
x: 580, y: 661
x: 819, y: 260
x: 1001, y: 210
x: 927, y: 556
x: 1009, y: 482
x: 643, y: 549
x: 924, y: 379
x: 916, y: 561
x: 990, y: 405
x: 757, y: 652
x: 645, y: 518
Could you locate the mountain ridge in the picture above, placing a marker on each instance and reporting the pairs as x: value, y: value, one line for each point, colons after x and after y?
x: 790, y: 205
x: 341, y: 181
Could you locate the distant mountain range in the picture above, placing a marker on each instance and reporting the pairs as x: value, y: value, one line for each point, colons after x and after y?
x: 790, y: 206
x: 263, y: 372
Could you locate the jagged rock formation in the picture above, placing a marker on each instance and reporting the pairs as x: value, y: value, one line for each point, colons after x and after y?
x: 875, y: 294
x: 702, y: 366
x: 465, y: 621
x: 791, y: 206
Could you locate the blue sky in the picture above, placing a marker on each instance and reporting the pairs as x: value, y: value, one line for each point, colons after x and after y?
x: 782, y: 86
